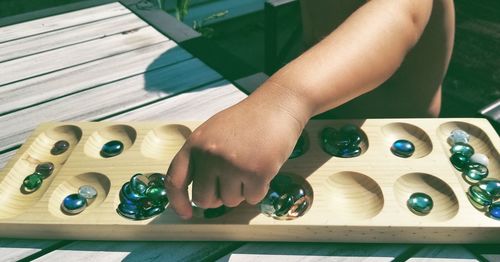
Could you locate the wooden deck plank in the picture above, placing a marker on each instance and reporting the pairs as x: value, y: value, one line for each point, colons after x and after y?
x: 75, y: 79
x: 107, y: 100
x: 314, y: 252
x: 442, y: 252
x: 35, y: 65
x: 16, y: 249
x: 56, y: 39
x: 57, y: 22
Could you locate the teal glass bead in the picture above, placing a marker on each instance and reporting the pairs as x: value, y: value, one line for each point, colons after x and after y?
x: 280, y: 183
x: 494, y: 210
x: 475, y: 172
x: 73, y: 204
x: 139, y: 184
x: 462, y: 148
x: 420, y: 203
x: 59, y: 147
x: 130, y: 211
x: 343, y: 143
x: 157, y: 180
x: 267, y: 204
x: 157, y: 195
x: 478, y: 197
x: 153, y: 211
x: 111, y: 149
x: 32, y: 182
x: 45, y: 169
x: 352, y: 133
x: 283, y: 205
x: 491, y: 187
x: 214, y: 212
x: 459, y: 161
x: 300, y: 147
x: 458, y: 136
x: 403, y: 148
x: 126, y: 194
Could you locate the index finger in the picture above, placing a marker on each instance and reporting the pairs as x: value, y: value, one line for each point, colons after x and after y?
x: 177, y: 182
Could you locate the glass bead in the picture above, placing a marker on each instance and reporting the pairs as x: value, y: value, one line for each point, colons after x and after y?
x: 480, y: 159
x: 157, y: 180
x: 475, y: 172
x: 158, y: 195
x: 352, y: 133
x: 403, y: 148
x: 111, y: 148
x: 341, y: 144
x: 267, y: 204
x: 126, y: 194
x: 283, y: 205
x: 459, y: 161
x: 458, y: 135
x: 462, y: 148
x: 300, y: 147
x: 214, y: 212
x: 478, y: 197
x: 88, y: 192
x: 139, y: 184
x: 420, y: 203
x: 491, y: 187
x: 153, y: 211
x: 32, y: 182
x: 59, y: 147
x: 129, y: 211
x: 494, y: 210
x: 45, y: 169
x: 73, y: 204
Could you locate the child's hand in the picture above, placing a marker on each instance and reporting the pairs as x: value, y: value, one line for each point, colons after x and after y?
x: 233, y: 156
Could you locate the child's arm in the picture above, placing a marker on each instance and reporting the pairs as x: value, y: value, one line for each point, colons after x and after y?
x: 233, y: 156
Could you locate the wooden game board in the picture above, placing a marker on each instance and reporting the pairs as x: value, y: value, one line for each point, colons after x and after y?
x: 361, y: 199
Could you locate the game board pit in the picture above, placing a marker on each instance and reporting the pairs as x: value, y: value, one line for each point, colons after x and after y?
x: 414, y: 134
x: 123, y: 133
x: 164, y: 141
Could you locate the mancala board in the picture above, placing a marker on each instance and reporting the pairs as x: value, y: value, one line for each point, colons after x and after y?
x: 358, y: 199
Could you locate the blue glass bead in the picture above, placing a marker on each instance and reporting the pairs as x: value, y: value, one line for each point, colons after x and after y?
x: 111, y: 148
x: 349, y: 151
x: 420, y: 203
x: 300, y: 147
x: 157, y: 180
x: 478, y: 197
x: 139, y: 184
x: 45, y: 169
x: 459, y: 161
x: 59, y: 147
x: 73, y: 204
x: 32, y: 182
x: 403, y: 148
x: 129, y: 211
x: 126, y: 194
x: 494, y: 210
x: 491, y: 187
x: 475, y: 172
x: 458, y: 136
x: 214, y: 212
x: 462, y: 148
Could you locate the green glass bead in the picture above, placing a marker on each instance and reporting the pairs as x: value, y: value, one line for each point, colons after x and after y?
x: 462, y: 148
x: 59, y: 147
x: 420, y: 203
x: 459, y: 161
x: 139, y: 184
x: 157, y: 180
x: 478, y: 197
x: 300, y: 147
x: 491, y: 187
x: 475, y: 172
x: 352, y: 133
x: 32, y: 182
x: 111, y: 148
x: 280, y: 183
x: 343, y: 143
x: 214, y: 212
x: 158, y: 195
x: 45, y: 169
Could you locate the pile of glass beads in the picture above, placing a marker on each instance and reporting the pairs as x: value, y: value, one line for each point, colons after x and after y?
x: 285, y: 199
x: 483, y: 193
x: 342, y: 143
x: 75, y: 203
x: 143, y: 197
x: 34, y: 181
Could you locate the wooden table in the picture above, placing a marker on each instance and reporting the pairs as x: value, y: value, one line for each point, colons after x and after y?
x: 97, y: 60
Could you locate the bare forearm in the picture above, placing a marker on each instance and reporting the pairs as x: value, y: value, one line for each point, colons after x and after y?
x: 355, y: 58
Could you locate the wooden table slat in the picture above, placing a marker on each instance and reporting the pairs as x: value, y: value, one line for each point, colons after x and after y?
x: 107, y: 100
x: 16, y: 249
x: 74, y: 79
x: 56, y: 22
x: 30, y: 66
x: 68, y: 36
x: 440, y: 252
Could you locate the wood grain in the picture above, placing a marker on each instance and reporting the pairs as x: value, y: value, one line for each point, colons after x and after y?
x: 16, y: 249
x: 442, y: 252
